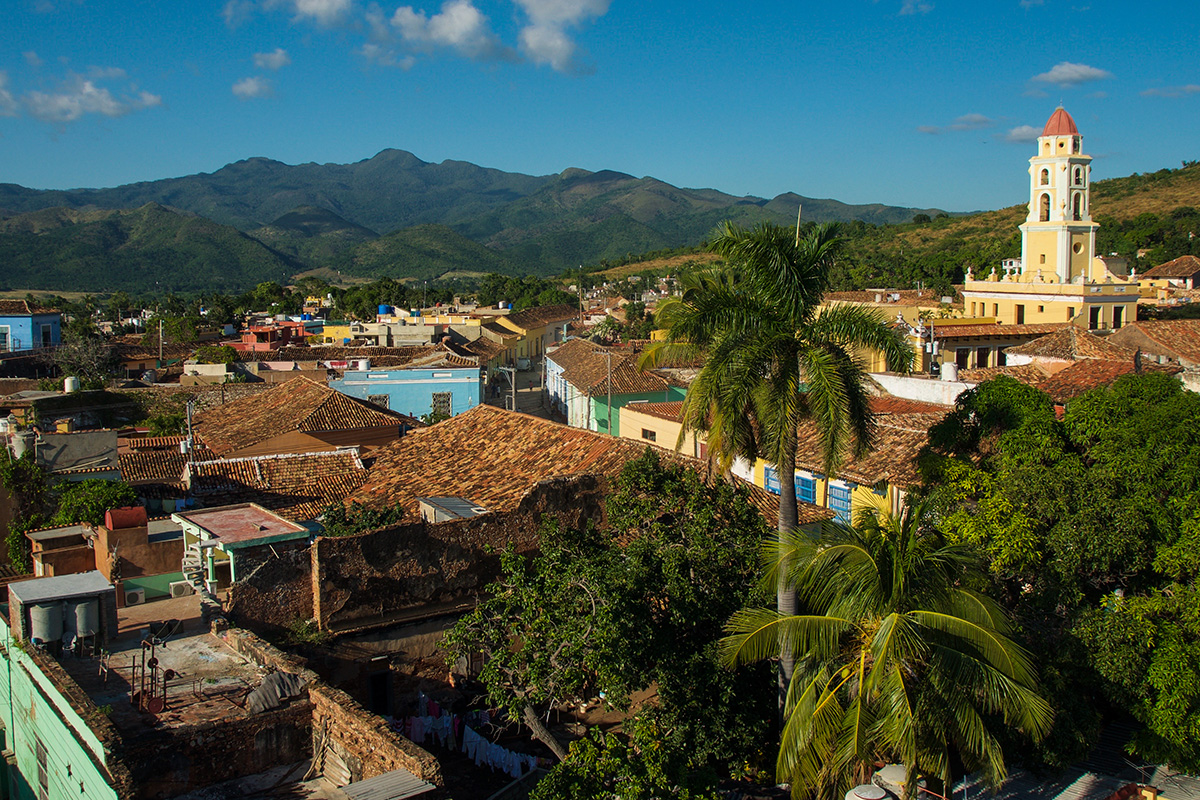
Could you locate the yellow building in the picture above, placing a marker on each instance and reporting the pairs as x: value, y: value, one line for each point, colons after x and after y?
x: 659, y: 424
x: 1060, y: 277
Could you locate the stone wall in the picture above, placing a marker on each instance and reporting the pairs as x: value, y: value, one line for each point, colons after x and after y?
x: 405, y: 570
x: 276, y: 590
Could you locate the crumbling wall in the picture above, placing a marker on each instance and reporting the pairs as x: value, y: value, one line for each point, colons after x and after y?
x: 362, y: 741
x: 166, y: 762
x: 276, y: 589
x: 385, y: 575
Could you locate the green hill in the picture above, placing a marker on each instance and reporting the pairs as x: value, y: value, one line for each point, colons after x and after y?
x: 422, y: 252
x: 143, y: 249
x: 313, y: 235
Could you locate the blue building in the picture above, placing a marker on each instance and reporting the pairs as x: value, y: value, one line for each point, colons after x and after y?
x: 27, y: 326
x: 416, y: 392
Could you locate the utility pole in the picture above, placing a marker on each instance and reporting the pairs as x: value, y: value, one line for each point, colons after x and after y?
x: 799, y: 209
x: 511, y: 374
x: 160, y: 337
x: 580, y: 294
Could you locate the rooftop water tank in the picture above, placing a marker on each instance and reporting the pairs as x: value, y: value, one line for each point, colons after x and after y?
x: 22, y: 441
x: 950, y: 371
x: 384, y: 310
x: 70, y: 384
x: 46, y: 622
x: 86, y: 617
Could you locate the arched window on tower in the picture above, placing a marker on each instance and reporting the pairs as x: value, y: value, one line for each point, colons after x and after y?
x: 1079, y: 176
x: 1078, y: 207
x: 1044, y: 213
x: 1045, y: 177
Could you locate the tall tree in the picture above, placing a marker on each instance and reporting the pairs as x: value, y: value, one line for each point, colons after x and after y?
x: 774, y: 357
x: 899, y: 660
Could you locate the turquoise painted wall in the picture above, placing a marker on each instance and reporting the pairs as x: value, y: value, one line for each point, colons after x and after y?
x: 155, y: 585
x: 33, y: 710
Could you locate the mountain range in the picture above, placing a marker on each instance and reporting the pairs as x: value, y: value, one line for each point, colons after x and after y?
x: 392, y: 214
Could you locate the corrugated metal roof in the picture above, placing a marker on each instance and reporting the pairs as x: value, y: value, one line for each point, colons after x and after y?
x: 1071, y: 784
x: 395, y: 785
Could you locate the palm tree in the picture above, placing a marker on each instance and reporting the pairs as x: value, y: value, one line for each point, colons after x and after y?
x: 898, y: 660
x: 772, y: 358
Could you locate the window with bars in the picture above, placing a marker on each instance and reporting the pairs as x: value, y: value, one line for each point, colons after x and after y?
x: 441, y: 403
x: 43, y: 771
x: 839, y: 502
x: 806, y: 489
x: 381, y: 400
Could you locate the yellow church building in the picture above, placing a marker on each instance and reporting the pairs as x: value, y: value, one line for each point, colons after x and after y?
x: 1059, y: 277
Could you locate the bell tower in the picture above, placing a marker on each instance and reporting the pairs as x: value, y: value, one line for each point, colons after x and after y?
x: 1058, y: 237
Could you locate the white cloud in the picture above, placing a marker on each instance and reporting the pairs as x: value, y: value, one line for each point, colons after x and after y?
x: 385, y: 56
x: 82, y: 94
x: 8, y: 103
x: 1022, y: 133
x: 1032, y: 3
x: 545, y: 39
x: 248, y: 88
x: 276, y: 59
x: 325, y: 12
x: 1066, y: 74
x: 932, y: 130
x: 1172, y: 91
x: 915, y: 7
x: 32, y: 59
x: 236, y: 12
x: 459, y: 25
x: 971, y: 122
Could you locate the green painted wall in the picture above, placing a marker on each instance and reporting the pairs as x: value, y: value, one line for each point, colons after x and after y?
x: 619, y: 401
x: 156, y: 586
x: 32, y: 709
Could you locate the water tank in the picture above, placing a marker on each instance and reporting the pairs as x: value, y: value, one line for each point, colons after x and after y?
x: 281, y: 317
x: 21, y: 442
x: 70, y: 384
x: 950, y: 371
x: 384, y: 310
x: 866, y: 791
x: 87, y: 617
x: 502, y: 305
x: 306, y: 317
x: 46, y: 622
x: 150, y: 376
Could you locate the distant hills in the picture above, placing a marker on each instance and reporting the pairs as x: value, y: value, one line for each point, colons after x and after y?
x: 331, y: 215
x: 398, y: 216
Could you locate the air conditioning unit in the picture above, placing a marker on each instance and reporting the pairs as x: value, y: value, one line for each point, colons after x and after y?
x: 181, y: 588
x: 135, y: 597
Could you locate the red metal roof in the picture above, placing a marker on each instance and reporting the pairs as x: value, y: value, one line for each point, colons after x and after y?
x: 1060, y: 124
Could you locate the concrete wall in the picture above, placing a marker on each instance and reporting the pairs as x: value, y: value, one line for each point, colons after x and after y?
x: 275, y: 592
x: 926, y: 390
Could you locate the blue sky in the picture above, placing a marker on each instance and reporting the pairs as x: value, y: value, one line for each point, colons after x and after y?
x: 905, y: 102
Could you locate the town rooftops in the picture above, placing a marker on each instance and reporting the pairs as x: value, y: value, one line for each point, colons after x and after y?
x: 514, y: 452
x: 22, y: 308
x: 158, y: 459
x: 300, y: 404
x: 1087, y: 374
x: 672, y: 411
x: 594, y: 370
x: 542, y: 315
x: 1071, y: 344
x: 1182, y: 267
x: 985, y: 331
x: 1181, y: 337
x: 899, y: 439
x: 59, y: 587
x: 298, y: 486
x: 241, y: 525
x: 1060, y: 124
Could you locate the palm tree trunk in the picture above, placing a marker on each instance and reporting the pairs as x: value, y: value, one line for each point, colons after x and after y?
x: 785, y: 596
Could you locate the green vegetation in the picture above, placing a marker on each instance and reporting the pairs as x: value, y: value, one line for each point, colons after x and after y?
x: 87, y: 500
x: 350, y: 520
x: 587, y: 618
x: 1090, y: 526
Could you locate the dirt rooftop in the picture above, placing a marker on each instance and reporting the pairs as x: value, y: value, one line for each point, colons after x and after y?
x: 210, y: 681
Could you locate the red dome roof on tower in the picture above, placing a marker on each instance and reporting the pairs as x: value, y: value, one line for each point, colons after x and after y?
x: 1060, y: 124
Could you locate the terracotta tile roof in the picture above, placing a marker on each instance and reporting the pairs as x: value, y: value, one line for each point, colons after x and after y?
x: 907, y: 297
x: 499, y: 330
x: 1180, y: 337
x: 1182, y: 267
x: 21, y: 308
x: 298, y: 486
x: 1088, y: 374
x: 512, y: 451
x: 586, y: 367
x: 522, y: 452
x: 156, y: 459
x: 138, y: 347
x: 669, y: 411
x: 1030, y: 374
x: 379, y: 356
x: 1070, y: 344
x: 543, y: 315
x: 996, y: 331
x: 484, y: 349
x: 300, y: 404
x: 887, y: 404
x: 899, y: 438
